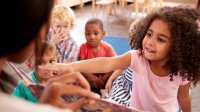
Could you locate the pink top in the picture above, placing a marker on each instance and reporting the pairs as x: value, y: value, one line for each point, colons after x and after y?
x: 87, y: 53
x: 151, y: 92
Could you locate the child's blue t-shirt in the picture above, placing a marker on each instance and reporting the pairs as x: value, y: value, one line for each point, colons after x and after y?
x: 22, y: 90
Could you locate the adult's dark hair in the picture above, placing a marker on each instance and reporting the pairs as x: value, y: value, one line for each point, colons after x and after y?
x: 185, y: 49
x: 21, y: 23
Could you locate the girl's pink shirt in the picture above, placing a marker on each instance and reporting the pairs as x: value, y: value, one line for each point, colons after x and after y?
x: 151, y: 92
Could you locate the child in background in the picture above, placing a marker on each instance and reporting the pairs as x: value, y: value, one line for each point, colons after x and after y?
x: 46, y: 55
x: 93, y: 48
x: 63, y: 19
x: 164, y: 61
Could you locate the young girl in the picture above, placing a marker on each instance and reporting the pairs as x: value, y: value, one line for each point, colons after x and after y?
x: 63, y: 19
x: 93, y: 48
x: 165, y: 58
x: 47, y: 54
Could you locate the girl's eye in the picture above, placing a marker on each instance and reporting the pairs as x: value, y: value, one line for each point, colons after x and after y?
x: 161, y: 40
x: 58, y: 26
x: 52, y: 61
x: 148, y: 34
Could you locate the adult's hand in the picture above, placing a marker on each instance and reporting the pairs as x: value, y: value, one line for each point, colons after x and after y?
x: 72, y: 84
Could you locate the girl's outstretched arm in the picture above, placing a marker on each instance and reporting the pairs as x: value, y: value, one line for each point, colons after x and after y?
x: 184, y: 98
x: 96, y: 65
x: 102, y: 64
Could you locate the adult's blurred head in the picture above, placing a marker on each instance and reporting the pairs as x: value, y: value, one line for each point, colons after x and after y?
x: 24, y: 24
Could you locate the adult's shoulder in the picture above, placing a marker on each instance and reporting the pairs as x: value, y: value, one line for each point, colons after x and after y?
x: 11, y: 104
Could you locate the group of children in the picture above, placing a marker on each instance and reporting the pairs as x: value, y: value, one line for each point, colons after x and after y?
x: 158, y: 72
x: 60, y: 47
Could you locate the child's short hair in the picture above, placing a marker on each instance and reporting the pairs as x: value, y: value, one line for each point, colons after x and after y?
x: 185, y: 49
x: 45, y: 48
x: 64, y: 13
x: 95, y: 21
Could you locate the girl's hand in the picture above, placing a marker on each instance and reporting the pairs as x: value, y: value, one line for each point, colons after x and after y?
x: 109, y: 85
x: 72, y: 84
x: 55, y: 69
x: 58, y: 35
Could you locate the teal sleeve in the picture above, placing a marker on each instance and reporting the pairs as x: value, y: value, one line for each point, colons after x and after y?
x: 23, y: 92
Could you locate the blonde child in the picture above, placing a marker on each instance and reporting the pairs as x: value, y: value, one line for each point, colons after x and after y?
x: 93, y: 48
x: 63, y: 20
x: 164, y: 61
x: 46, y: 55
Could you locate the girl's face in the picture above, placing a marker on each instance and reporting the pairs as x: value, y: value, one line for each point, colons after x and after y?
x: 61, y: 26
x: 94, y: 35
x: 48, y: 58
x: 156, y: 43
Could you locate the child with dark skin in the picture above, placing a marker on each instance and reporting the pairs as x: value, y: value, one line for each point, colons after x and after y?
x: 93, y: 48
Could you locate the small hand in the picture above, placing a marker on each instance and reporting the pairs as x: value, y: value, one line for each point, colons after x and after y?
x: 108, y: 85
x: 58, y: 35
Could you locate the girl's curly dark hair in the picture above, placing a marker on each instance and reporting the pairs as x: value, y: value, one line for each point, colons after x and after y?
x: 185, y: 49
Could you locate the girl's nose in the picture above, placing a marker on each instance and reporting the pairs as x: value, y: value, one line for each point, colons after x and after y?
x: 151, y: 41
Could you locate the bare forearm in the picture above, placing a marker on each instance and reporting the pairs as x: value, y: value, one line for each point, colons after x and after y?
x: 97, y: 65
x: 101, y: 64
x: 185, y: 104
x: 115, y: 74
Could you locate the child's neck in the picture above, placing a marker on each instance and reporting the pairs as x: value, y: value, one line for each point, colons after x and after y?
x: 97, y: 48
x: 159, y: 69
